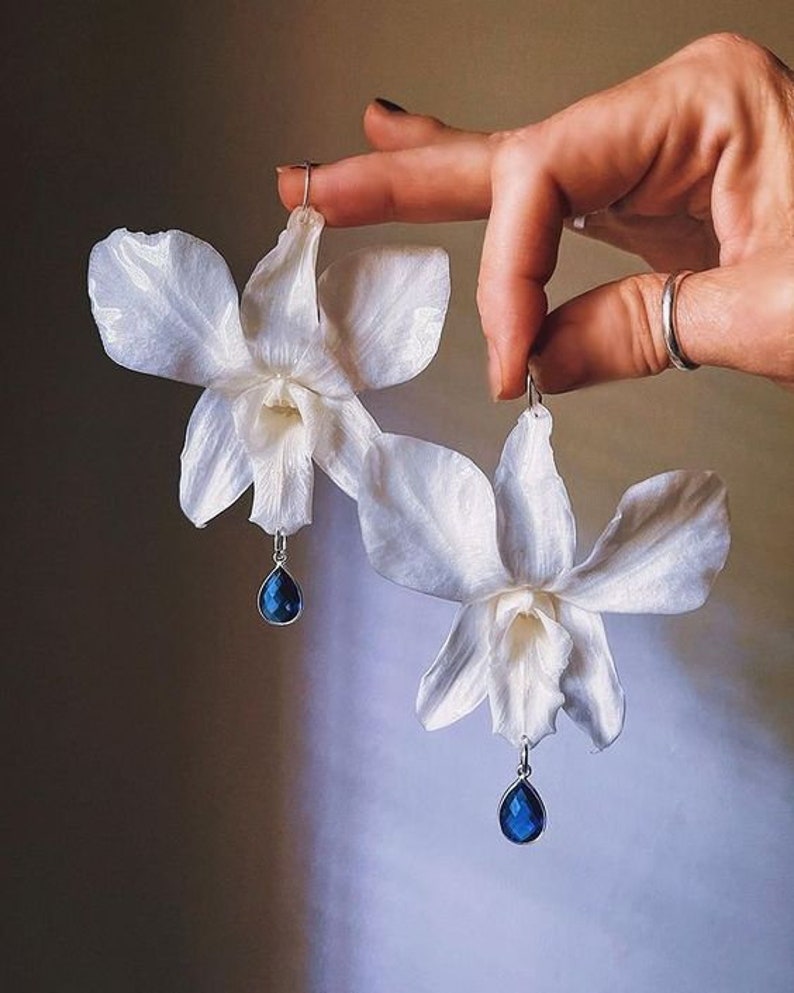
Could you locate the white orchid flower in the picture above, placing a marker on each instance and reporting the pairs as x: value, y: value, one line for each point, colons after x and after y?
x: 281, y: 367
x: 529, y: 634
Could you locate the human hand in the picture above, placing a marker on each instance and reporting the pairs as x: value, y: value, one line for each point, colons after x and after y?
x: 689, y: 165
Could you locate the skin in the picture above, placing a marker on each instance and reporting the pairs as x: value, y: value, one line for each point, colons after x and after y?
x: 689, y: 165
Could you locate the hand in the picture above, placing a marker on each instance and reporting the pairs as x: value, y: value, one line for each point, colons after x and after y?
x: 689, y: 165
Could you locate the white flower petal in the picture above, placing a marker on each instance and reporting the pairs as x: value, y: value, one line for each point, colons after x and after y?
x: 279, y: 309
x: 166, y: 304
x: 524, y: 677
x: 428, y: 519
x: 283, y: 488
x: 593, y: 694
x: 661, y: 551
x: 279, y: 302
x: 216, y: 468
x: 536, y: 529
x: 383, y: 308
x: 456, y: 682
x: 342, y: 430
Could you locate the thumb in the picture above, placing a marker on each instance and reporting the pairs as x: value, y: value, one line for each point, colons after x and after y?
x: 740, y: 317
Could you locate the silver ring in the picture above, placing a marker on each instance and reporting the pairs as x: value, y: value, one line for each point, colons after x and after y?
x: 578, y: 222
x: 669, y: 330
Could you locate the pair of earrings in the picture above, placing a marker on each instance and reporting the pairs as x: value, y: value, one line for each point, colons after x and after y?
x: 281, y: 369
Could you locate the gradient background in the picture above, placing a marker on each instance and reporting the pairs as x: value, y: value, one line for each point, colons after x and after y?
x: 197, y: 803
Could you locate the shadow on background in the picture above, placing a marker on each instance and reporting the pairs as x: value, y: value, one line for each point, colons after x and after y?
x: 149, y: 735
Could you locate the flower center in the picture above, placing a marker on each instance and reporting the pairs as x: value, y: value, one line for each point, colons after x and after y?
x: 526, y: 603
x: 268, y: 416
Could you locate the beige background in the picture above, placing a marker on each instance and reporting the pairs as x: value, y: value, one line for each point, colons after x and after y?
x: 197, y: 803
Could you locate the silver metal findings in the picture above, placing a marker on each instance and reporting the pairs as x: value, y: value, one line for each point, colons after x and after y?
x: 522, y: 815
x: 280, y: 597
x: 524, y: 770
x: 307, y: 181
x: 279, y: 548
x: 534, y: 396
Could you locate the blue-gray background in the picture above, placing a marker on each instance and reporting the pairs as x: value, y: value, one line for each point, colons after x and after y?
x: 197, y: 803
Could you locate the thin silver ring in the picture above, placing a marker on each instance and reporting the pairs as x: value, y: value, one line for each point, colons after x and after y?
x: 307, y: 179
x: 669, y: 329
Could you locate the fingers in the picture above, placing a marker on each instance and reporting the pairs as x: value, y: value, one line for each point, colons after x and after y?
x: 581, y: 160
x: 422, y: 171
x: 740, y: 317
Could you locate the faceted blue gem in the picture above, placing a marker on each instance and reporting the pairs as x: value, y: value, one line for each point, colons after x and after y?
x: 522, y: 816
x: 280, y: 598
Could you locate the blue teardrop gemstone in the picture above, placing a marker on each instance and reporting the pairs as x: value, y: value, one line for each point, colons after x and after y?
x: 522, y: 816
x: 280, y: 598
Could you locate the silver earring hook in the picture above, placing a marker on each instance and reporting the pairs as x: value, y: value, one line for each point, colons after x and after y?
x: 534, y: 396
x: 307, y: 179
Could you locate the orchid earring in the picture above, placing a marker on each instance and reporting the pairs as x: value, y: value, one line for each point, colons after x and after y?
x: 281, y: 368
x: 528, y: 636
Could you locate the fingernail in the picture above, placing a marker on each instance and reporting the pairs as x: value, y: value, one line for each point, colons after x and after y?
x: 494, y: 372
x: 393, y: 108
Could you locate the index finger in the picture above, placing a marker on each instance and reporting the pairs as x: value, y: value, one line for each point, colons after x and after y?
x: 447, y: 181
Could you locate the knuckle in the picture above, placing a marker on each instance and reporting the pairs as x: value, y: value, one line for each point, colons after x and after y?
x: 737, y: 57
x: 640, y: 297
x: 727, y: 44
x: 515, y: 151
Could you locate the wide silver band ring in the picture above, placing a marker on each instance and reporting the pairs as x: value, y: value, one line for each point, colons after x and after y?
x: 669, y: 331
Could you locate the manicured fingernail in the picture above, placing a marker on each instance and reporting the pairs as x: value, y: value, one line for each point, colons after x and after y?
x: 393, y: 108
x: 494, y: 372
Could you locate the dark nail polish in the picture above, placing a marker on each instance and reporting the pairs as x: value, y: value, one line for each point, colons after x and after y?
x: 393, y: 108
